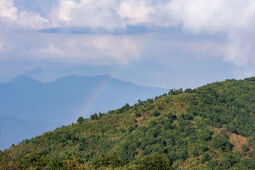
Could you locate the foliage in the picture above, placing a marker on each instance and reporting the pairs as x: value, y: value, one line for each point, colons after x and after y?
x: 107, y: 160
x: 94, y: 116
x: 152, y: 162
x: 80, y: 120
x: 247, y: 163
x: 194, y: 129
x: 221, y: 142
x: 35, y: 160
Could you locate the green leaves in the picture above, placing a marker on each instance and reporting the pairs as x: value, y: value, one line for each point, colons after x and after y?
x: 221, y: 143
x: 80, y: 120
x: 107, y: 160
x: 33, y: 160
x: 152, y: 162
x: 178, y: 129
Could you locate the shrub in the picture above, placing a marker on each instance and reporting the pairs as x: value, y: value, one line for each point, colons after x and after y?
x: 247, y: 163
x: 250, y: 79
x: 188, y: 91
x: 94, y: 116
x: 153, y: 162
x: 138, y: 115
x: 245, y: 148
x: 33, y: 160
x: 74, y: 164
x: 221, y: 142
x: 156, y: 114
x: 108, y: 160
x: 212, y: 164
x: 80, y: 120
x: 227, y: 161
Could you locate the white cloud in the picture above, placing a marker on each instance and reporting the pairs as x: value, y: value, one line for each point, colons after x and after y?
x: 50, y: 50
x: 217, y: 15
x: 233, y: 18
x: 91, y: 13
x: 135, y: 11
x: 193, y: 15
x: 88, y: 49
x: 8, y: 10
x: 64, y: 10
x: 11, y: 16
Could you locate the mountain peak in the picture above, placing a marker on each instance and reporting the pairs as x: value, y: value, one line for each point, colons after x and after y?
x: 79, y: 78
x: 24, y: 79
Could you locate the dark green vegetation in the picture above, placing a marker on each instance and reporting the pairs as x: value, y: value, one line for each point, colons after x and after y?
x: 211, y: 127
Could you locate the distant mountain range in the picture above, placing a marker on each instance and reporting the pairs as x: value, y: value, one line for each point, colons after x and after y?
x: 13, y: 130
x: 63, y: 101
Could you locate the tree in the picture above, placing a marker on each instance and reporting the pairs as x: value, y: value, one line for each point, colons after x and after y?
x: 80, y: 120
x: 153, y: 162
x: 33, y: 160
x: 94, y: 116
x: 108, y: 160
x: 221, y: 142
x: 188, y: 91
x: 156, y: 114
x: 247, y: 163
x: 250, y: 79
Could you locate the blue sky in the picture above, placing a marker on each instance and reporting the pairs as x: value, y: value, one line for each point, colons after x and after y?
x: 163, y: 43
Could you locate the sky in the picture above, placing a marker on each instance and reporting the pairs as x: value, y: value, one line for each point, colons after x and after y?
x: 162, y: 43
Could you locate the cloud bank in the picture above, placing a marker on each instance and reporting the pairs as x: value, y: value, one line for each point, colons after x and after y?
x: 192, y: 15
x: 11, y: 16
x: 233, y: 20
x: 92, y: 49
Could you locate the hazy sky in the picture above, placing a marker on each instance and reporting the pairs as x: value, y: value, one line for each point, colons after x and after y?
x: 164, y: 43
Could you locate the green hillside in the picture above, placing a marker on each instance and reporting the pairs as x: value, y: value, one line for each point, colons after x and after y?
x: 211, y: 127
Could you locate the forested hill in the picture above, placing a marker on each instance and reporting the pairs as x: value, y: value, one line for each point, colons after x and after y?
x: 211, y: 127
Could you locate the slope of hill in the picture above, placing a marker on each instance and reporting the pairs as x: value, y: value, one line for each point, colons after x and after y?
x: 211, y: 127
x: 65, y: 99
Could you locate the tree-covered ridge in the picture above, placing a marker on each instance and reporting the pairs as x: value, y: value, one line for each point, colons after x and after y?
x: 211, y: 127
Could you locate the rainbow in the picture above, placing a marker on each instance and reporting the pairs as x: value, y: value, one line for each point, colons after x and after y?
x: 94, y: 96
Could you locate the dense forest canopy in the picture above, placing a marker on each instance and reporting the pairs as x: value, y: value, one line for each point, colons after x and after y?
x: 210, y: 127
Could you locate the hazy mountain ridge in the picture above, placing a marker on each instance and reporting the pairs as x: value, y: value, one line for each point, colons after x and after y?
x: 61, y: 101
x: 27, y: 98
x: 13, y: 130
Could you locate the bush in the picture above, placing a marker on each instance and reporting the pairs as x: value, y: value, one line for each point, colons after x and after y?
x: 205, y: 135
x: 94, y: 116
x: 138, y: 115
x: 205, y: 157
x: 175, y: 92
x: 227, y: 161
x: 33, y: 160
x: 188, y: 91
x: 108, y: 160
x: 156, y: 114
x: 149, y: 100
x: 74, y: 164
x: 250, y: 79
x: 56, y: 163
x: 245, y: 148
x: 212, y: 164
x: 80, y: 120
x: 247, y: 163
x: 153, y: 162
x: 221, y: 142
